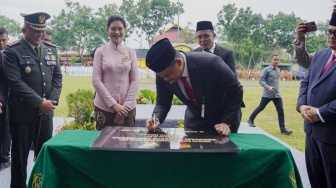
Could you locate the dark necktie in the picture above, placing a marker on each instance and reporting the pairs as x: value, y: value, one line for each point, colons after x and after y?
x: 208, y: 51
x: 36, y: 49
x: 332, y: 60
x: 188, y: 90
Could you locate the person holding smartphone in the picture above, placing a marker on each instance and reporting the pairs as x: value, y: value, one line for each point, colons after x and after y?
x: 301, y: 56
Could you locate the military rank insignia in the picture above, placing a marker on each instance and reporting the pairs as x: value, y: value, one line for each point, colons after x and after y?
x: 50, y: 57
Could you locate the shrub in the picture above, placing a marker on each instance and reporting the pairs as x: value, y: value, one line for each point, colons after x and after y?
x: 80, y: 105
x: 180, y: 123
x: 177, y: 101
x: 147, y: 96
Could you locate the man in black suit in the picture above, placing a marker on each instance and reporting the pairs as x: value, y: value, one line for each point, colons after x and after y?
x: 5, y: 139
x: 201, y: 81
x: 206, y: 35
x: 317, y: 105
x: 34, y: 77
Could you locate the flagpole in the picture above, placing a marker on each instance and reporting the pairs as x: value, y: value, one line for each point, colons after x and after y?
x: 178, y: 23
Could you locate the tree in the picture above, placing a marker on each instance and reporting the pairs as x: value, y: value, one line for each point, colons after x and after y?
x: 74, y: 28
x: 100, y: 36
x: 254, y: 38
x: 282, y: 28
x: 242, y: 29
x: 317, y: 40
x: 153, y: 15
x: 11, y: 25
x: 188, y: 34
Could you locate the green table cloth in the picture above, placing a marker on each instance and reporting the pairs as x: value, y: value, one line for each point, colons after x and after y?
x: 67, y: 161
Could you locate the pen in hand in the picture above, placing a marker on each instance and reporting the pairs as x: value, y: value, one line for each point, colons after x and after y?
x: 154, y: 120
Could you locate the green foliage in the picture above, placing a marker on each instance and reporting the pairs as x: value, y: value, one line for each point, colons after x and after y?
x: 140, y: 99
x: 11, y: 25
x: 254, y: 38
x: 80, y: 106
x: 180, y: 123
x: 177, y: 101
x: 153, y: 15
x: 149, y: 95
x: 73, y: 59
x: 317, y: 40
x: 188, y: 34
x: 83, y: 126
x: 74, y: 28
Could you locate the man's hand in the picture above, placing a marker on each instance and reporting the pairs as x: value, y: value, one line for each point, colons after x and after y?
x: 312, y: 114
x: 271, y: 89
x: 301, y: 29
x: 152, y: 124
x: 309, y: 114
x: 223, y: 129
x: 47, y: 106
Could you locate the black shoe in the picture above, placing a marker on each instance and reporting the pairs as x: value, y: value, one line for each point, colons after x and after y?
x: 250, y: 123
x: 5, y: 165
x: 286, y: 132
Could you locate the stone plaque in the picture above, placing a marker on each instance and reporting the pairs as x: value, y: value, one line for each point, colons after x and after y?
x: 162, y: 140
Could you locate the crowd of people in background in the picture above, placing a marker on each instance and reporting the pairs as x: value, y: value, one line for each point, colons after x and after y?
x: 206, y: 80
x: 251, y: 74
x: 245, y: 74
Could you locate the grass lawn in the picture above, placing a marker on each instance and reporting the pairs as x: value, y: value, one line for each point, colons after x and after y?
x: 267, y: 119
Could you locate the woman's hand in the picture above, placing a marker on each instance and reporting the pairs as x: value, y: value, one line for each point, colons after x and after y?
x: 121, y: 110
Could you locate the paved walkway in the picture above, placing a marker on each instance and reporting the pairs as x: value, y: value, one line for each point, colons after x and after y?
x: 177, y: 112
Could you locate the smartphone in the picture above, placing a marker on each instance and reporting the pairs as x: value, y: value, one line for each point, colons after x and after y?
x: 310, y: 26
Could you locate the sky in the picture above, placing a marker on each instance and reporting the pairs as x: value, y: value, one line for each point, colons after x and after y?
x: 194, y: 10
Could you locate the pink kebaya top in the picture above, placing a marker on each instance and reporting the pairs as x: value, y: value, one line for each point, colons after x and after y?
x: 115, y: 76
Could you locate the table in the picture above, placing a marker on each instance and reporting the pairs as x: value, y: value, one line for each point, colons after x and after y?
x: 67, y: 161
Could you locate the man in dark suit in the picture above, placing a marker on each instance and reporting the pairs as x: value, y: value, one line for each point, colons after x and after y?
x: 201, y: 81
x: 34, y: 77
x: 5, y: 139
x: 206, y: 35
x: 317, y: 105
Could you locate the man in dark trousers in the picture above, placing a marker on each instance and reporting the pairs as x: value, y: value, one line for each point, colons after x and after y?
x: 317, y: 105
x: 201, y: 81
x: 205, y: 35
x: 34, y: 77
x: 269, y: 80
x: 5, y: 139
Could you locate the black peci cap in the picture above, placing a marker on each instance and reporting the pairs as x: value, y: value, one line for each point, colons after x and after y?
x: 333, y: 19
x: 36, y: 21
x: 160, y: 55
x: 204, y: 25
